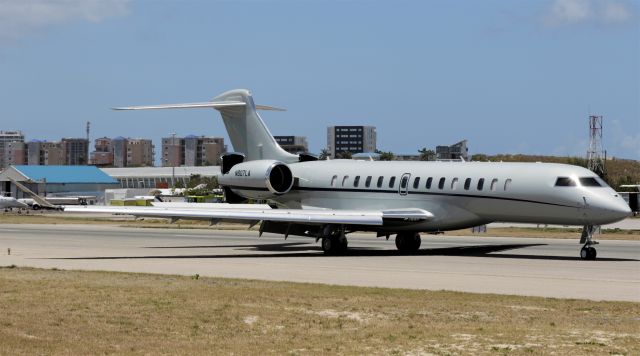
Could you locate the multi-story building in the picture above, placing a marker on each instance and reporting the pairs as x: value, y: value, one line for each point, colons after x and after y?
x: 140, y: 152
x: 293, y: 144
x: 103, y: 154
x: 44, y: 153
x: 14, y: 153
x: 7, y: 137
x: 76, y: 151
x: 455, y: 151
x: 354, y: 139
x: 192, y: 151
x: 172, y: 152
x: 123, y: 152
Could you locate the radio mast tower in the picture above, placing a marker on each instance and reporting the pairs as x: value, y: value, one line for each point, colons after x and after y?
x: 596, y: 155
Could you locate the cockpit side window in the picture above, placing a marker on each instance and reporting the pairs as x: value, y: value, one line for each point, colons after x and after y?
x: 565, y: 182
x: 589, y: 182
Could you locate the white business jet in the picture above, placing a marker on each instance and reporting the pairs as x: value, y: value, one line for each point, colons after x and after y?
x: 328, y: 199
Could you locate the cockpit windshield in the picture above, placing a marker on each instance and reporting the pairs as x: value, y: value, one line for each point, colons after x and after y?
x: 583, y: 181
x: 565, y: 182
x: 589, y: 182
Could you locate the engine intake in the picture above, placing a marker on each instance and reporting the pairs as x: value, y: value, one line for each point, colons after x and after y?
x: 258, y: 179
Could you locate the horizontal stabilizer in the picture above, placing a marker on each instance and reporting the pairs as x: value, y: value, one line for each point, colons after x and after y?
x: 208, y: 104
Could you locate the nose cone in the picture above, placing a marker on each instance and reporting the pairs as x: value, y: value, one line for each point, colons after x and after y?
x: 612, y: 210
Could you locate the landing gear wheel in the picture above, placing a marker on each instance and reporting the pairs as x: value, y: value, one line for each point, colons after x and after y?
x: 588, y: 253
x: 334, y: 245
x: 327, y: 245
x: 408, y: 242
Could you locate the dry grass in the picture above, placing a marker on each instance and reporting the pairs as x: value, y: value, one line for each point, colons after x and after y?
x: 73, y: 312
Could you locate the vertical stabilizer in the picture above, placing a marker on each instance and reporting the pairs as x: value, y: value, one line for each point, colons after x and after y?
x: 247, y: 131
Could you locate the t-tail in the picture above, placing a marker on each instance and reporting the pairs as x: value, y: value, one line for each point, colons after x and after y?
x: 248, y: 133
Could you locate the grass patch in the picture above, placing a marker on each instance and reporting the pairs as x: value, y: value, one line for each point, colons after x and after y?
x: 75, y: 312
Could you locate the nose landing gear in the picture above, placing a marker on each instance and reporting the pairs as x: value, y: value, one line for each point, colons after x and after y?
x: 588, y: 252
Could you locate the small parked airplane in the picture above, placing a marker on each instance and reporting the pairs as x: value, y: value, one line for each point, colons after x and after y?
x: 7, y: 203
x: 330, y: 198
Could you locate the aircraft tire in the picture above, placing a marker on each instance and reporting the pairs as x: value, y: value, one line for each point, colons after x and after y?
x: 588, y: 253
x: 334, y: 245
x: 408, y: 242
x: 327, y: 245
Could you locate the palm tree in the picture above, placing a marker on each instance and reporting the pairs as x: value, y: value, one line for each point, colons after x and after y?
x: 426, y: 155
x: 324, y: 154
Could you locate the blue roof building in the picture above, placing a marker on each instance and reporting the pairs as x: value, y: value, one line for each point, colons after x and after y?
x: 57, y: 180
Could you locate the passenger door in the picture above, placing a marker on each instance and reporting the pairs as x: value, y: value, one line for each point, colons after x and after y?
x: 403, y: 188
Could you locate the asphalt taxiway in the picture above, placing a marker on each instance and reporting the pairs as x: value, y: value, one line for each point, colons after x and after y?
x: 520, y: 266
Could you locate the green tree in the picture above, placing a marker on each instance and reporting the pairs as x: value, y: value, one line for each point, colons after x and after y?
x: 345, y: 155
x: 194, y: 180
x: 387, y: 156
x: 324, y: 154
x: 480, y: 157
x: 427, y: 155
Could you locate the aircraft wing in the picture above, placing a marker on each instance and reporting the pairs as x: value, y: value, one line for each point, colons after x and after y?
x: 265, y: 213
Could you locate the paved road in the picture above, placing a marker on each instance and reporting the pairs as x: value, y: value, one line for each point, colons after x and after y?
x: 522, y: 266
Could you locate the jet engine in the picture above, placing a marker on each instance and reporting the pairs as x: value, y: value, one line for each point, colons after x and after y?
x: 258, y: 179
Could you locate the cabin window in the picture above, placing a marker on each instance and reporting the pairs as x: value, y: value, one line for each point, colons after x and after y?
x: 565, y: 182
x: 494, y: 184
x: 367, y: 182
x: 441, y: 183
x: 392, y: 182
x: 356, y: 181
x: 380, y: 180
x: 454, y: 183
x: 334, y: 180
x: 404, y: 181
x: 480, y: 183
x: 416, y: 183
x: 507, y: 183
x: 429, y: 181
x: 467, y: 183
x: 589, y: 182
x: 344, y: 180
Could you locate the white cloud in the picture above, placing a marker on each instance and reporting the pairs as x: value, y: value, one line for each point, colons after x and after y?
x: 626, y: 142
x: 614, y: 12
x: 569, y: 12
x: 572, y: 12
x: 22, y: 17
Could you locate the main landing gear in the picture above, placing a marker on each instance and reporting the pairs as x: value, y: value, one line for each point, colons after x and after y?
x: 588, y: 252
x: 408, y: 241
x: 334, y: 241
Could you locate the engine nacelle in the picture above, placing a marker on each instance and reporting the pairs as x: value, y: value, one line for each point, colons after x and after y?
x: 258, y: 179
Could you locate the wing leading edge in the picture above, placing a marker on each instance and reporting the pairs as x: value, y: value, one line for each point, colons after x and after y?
x: 303, y: 216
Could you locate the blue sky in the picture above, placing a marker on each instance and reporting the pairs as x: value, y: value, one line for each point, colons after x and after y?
x: 509, y: 76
